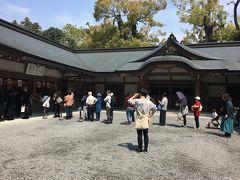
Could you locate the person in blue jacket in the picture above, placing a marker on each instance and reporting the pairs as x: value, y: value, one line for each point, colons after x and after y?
x: 227, y: 116
x: 98, y: 106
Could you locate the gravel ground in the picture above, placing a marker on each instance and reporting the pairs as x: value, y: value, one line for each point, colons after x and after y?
x: 67, y: 149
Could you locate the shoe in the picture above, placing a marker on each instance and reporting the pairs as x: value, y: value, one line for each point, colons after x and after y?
x: 138, y: 150
x: 145, y: 151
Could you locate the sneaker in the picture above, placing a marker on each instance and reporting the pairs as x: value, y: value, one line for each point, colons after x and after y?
x: 145, y: 151
x: 129, y: 124
x: 138, y: 150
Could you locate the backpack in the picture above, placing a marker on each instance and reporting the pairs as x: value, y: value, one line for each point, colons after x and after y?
x: 113, y: 102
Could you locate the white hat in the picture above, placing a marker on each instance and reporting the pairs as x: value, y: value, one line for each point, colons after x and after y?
x: 197, y: 98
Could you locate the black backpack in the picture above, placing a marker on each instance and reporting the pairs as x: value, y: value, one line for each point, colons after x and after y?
x: 113, y: 102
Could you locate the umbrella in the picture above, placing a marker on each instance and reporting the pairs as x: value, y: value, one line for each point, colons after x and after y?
x: 182, y: 98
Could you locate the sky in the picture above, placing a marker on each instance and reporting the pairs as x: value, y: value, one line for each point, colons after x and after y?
x: 57, y: 13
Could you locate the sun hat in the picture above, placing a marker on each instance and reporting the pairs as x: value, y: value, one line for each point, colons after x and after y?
x: 197, y: 98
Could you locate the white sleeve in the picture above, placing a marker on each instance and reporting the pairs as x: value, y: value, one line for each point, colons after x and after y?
x: 107, y: 98
x: 132, y: 101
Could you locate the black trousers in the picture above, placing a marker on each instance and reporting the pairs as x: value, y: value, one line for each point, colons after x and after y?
x: 57, y: 110
x: 26, y: 113
x: 184, y: 120
x: 197, y: 121
x: 90, y: 112
x: 143, y: 132
x: 162, y: 118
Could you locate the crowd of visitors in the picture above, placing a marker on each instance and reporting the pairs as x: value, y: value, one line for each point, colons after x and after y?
x: 15, y: 104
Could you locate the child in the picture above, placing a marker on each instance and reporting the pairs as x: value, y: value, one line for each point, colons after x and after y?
x: 213, y: 119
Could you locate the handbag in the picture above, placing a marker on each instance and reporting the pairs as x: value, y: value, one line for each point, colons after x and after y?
x: 23, y: 108
x: 142, y: 121
x: 185, y: 111
x: 179, y: 117
x: 59, y: 100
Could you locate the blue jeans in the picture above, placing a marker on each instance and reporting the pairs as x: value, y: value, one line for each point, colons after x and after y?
x: 68, y: 112
x: 130, y: 114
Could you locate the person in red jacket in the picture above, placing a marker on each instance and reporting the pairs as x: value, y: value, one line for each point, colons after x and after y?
x: 196, y: 108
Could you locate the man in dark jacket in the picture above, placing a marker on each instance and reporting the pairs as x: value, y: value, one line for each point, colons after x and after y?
x: 26, y: 102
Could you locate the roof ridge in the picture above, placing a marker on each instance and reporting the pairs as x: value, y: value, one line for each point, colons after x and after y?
x: 33, y: 35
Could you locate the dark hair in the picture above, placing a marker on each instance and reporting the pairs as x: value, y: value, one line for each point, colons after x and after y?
x: 143, y: 92
x: 108, y: 91
x: 226, y: 97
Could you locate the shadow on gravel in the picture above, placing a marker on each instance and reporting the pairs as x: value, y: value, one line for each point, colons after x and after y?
x: 190, y: 127
x: 215, y: 133
x: 130, y: 146
x: 237, y: 129
x: 124, y: 123
x: 104, y: 121
x: 174, y: 125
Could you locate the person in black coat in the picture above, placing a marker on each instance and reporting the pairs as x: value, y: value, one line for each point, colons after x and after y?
x: 10, y: 105
x: 18, y: 102
x: 57, y: 101
x: 26, y: 102
x: 3, y: 104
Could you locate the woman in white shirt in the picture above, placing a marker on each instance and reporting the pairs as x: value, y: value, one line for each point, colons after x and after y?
x: 45, y: 105
x: 145, y: 110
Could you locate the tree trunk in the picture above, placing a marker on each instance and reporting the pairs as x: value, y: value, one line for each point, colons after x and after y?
x: 208, y: 31
x: 121, y: 27
x: 235, y: 15
x: 134, y: 30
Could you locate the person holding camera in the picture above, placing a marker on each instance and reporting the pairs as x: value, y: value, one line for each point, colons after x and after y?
x: 145, y: 110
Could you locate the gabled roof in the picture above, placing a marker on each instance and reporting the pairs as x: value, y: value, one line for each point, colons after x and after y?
x: 172, y: 47
x: 121, y: 59
x: 19, y: 39
x: 196, y: 64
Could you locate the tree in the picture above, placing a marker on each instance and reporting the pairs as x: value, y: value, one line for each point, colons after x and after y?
x: 206, y: 16
x: 54, y: 34
x: 236, y: 18
x: 74, y: 36
x: 127, y: 14
x: 28, y: 25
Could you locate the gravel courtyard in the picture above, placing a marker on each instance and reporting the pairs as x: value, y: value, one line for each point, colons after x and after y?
x: 67, y: 149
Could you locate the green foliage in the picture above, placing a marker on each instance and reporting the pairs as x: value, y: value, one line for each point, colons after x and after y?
x: 107, y: 35
x: 74, y: 36
x: 207, y: 17
x: 127, y: 14
x: 54, y: 34
x: 28, y: 25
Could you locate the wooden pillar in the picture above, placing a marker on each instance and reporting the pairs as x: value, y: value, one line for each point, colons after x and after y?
x: 143, y: 82
x: 63, y: 85
x: 105, y: 84
x: 124, y: 83
x: 197, y: 86
x: 226, y: 83
x: 170, y: 95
